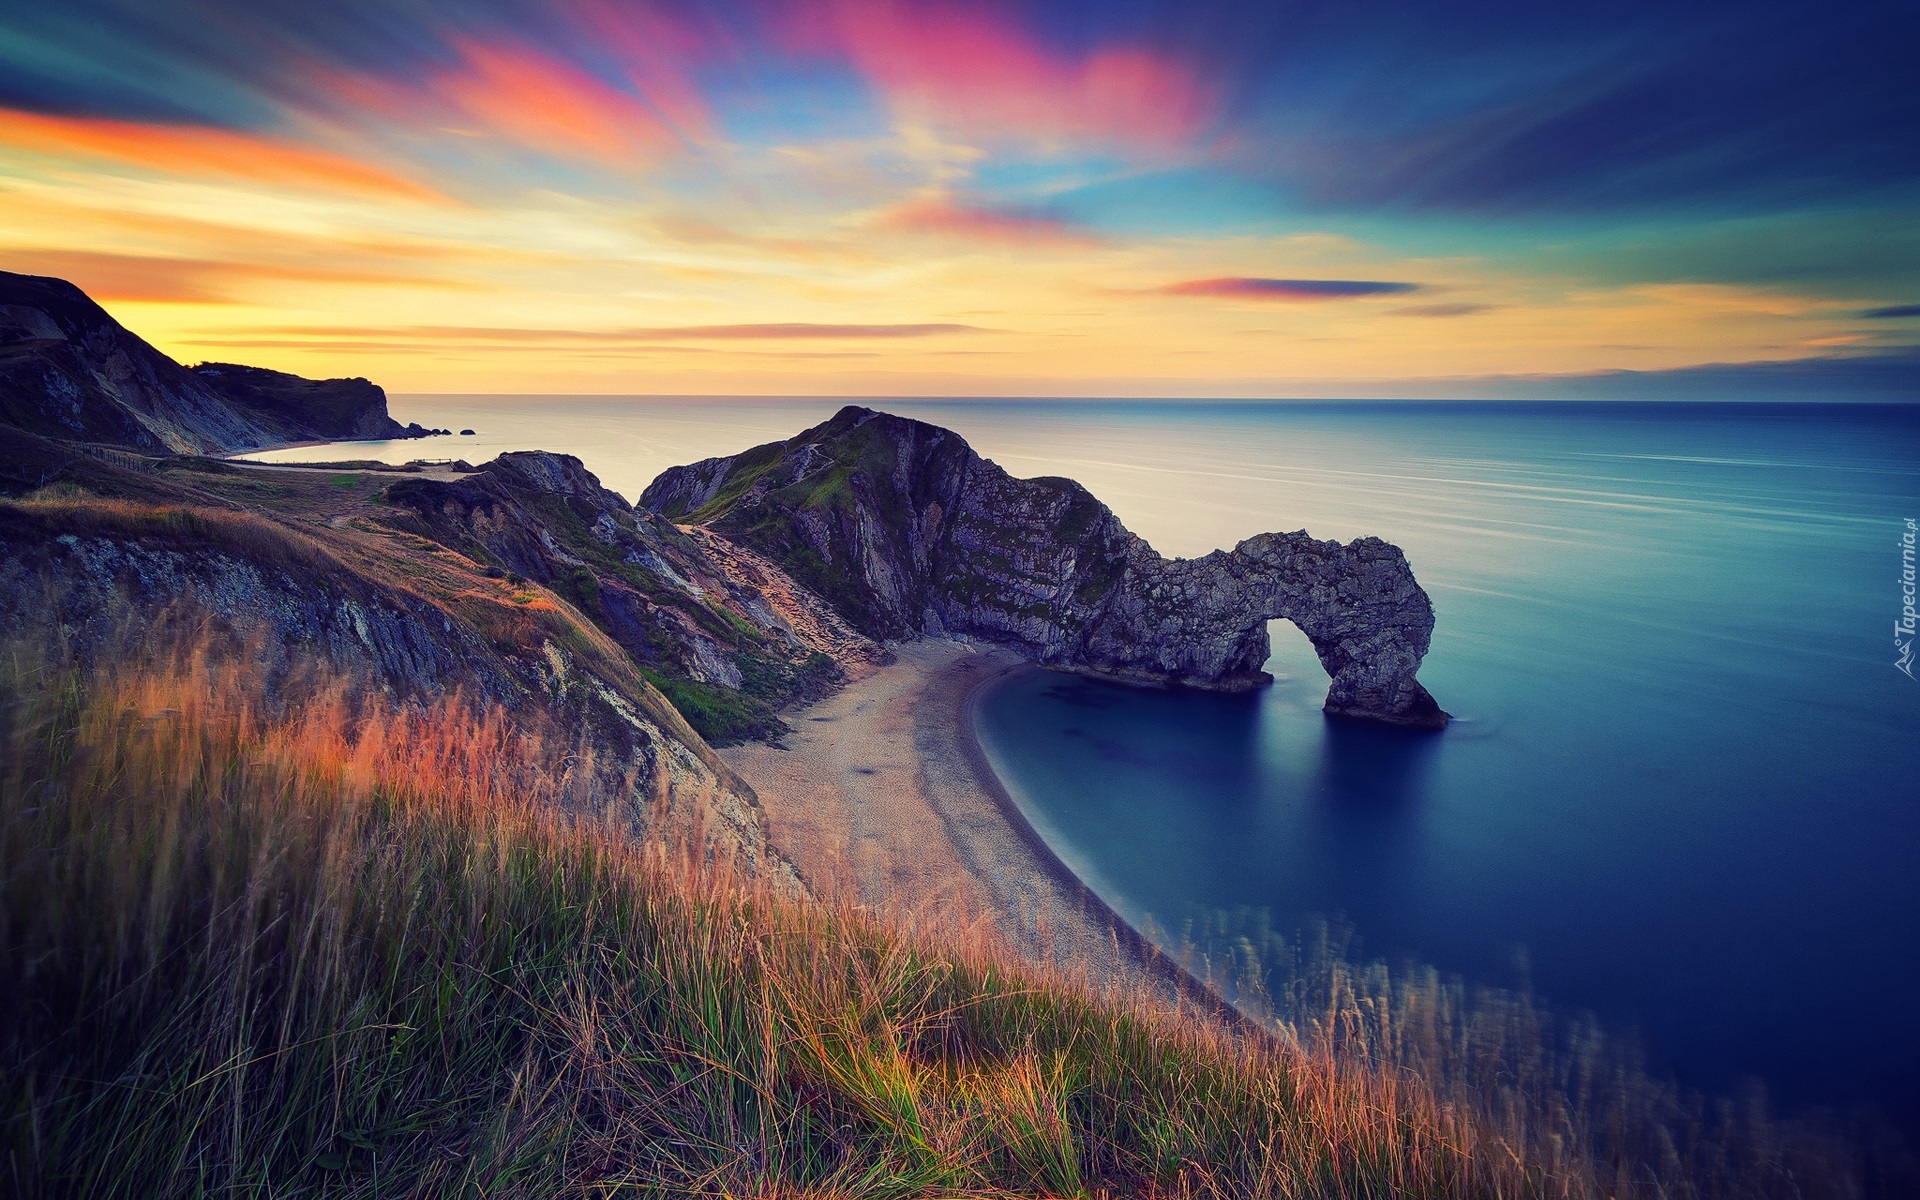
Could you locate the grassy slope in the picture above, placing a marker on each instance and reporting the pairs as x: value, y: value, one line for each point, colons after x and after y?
x: 364, y: 956
x: 337, y: 526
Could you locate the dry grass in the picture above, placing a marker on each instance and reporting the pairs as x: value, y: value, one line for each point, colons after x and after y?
x: 361, y: 951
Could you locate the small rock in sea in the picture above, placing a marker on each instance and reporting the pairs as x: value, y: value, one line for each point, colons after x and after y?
x: 466, y: 433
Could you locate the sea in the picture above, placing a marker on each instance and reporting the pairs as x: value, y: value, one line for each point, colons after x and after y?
x: 1681, y: 790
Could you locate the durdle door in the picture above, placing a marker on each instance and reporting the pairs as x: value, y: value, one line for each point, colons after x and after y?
x: 905, y: 530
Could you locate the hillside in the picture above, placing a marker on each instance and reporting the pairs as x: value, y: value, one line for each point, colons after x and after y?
x: 349, y: 951
x: 69, y: 371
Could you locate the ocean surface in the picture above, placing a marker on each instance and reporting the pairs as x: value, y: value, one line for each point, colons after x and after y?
x: 1683, y: 785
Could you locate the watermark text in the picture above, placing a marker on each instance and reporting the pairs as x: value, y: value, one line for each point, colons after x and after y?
x: 1904, y: 627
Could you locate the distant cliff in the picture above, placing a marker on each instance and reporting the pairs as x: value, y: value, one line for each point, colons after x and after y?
x: 69, y: 371
x: 904, y: 529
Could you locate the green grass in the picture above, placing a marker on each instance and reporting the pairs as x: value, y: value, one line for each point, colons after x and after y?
x: 360, y: 951
x: 721, y: 715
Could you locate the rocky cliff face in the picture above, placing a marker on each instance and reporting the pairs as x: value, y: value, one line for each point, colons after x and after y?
x: 68, y: 370
x: 115, y: 580
x: 904, y: 529
x: 727, y: 634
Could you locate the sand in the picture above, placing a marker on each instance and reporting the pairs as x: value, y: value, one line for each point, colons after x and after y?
x: 883, y: 797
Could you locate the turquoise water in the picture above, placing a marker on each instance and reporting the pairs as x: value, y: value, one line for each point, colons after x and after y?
x: 1685, y: 778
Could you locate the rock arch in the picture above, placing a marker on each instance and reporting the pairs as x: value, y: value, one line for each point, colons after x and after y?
x: 905, y: 530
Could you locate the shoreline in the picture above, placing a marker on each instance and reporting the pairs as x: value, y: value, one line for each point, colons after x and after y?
x: 1151, y: 961
x: 886, y: 795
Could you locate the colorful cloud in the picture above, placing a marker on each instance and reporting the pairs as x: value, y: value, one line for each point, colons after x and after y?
x: 202, y: 151
x: 943, y: 215
x: 1210, y: 194
x: 1243, y: 288
x: 971, y: 69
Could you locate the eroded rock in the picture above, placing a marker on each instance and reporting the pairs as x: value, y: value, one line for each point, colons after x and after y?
x: 905, y: 530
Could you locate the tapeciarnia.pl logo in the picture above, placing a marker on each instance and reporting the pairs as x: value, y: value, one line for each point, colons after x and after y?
x: 1903, y: 628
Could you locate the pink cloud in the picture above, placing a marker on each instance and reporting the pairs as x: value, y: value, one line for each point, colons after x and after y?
x: 976, y: 72
x: 943, y: 215
x: 655, y: 53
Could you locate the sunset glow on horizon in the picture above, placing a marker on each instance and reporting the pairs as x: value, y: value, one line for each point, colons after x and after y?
x: 869, y: 197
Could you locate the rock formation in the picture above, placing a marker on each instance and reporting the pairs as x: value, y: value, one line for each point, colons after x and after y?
x: 904, y: 529
x: 712, y: 618
x: 69, y: 371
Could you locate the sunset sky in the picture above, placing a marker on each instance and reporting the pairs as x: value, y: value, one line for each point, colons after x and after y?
x: 977, y: 199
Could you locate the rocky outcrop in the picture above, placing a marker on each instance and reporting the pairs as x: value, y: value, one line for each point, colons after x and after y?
x: 69, y: 371
x: 730, y: 637
x: 905, y: 530
x: 321, y: 409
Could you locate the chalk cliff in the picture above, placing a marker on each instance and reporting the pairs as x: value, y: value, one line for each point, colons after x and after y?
x: 905, y: 529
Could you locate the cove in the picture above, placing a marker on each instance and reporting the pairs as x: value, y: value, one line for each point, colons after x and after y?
x: 1681, y: 786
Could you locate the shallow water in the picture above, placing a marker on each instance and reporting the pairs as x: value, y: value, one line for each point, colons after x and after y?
x: 1683, y: 778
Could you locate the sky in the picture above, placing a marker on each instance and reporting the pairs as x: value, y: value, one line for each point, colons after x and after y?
x: 869, y: 197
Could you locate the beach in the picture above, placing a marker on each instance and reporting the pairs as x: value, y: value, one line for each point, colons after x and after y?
x: 883, y: 796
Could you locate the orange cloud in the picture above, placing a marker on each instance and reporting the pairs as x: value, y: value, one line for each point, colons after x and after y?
x: 529, y: 99
x: 543, y: 104
x: 178, y: 280
x: 943, y: 215
x: 968, y: 69
x: 202, y: 150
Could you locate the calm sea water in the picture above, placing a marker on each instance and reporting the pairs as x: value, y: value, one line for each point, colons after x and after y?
x: 1685, y: 776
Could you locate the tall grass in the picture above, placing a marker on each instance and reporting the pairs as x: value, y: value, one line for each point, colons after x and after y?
x: 349, y: 949
x: 1560, y: 1083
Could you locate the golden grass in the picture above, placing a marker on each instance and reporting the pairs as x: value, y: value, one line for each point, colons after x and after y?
x: 351, y: 949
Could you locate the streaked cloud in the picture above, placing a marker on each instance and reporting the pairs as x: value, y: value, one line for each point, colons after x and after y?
x: 1443, y: 310
x: 944, y: 215
x: 1245, y: 288
x: 976, y: 70
x: 778, y: 331
x: 1892, y: 312
x: 198, y: 150
x: 106, y: 276
x: 517, y: 95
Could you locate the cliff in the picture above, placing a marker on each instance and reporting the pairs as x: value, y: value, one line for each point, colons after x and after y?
x: 725, y: 633
x: 69, y: 371
x: 905, y: 529
x: 290, y: 571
